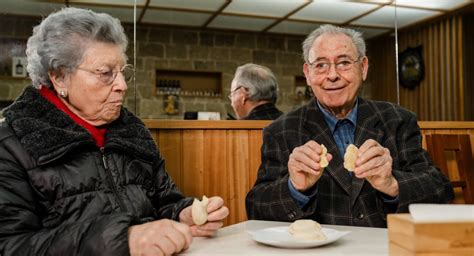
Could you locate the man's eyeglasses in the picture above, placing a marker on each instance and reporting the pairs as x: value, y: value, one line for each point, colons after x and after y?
x: 342, y: 65
x: 235, y: 90
x: 108, y: 77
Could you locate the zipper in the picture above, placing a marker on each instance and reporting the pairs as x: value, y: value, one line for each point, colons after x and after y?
x: 111, y: 179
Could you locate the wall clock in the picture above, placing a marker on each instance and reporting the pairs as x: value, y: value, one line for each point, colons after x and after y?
x: 411, y: 67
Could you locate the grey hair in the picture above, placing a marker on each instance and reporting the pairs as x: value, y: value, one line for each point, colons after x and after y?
x: 58, y: 43
x: 259, y: 80
x: 356, y: 37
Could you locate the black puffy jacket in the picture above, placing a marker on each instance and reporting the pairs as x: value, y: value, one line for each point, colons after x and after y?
x: 62, y: 195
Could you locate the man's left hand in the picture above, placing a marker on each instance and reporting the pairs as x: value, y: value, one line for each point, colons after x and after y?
x: 374, y: 164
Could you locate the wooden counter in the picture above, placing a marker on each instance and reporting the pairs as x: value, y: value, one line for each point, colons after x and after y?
x: 222, y: 157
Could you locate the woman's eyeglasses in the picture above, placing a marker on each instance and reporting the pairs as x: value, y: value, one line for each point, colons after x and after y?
x: 108, y: 77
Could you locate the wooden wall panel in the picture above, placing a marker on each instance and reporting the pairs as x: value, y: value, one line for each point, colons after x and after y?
x: 440, y: 96
x: 206, y: 158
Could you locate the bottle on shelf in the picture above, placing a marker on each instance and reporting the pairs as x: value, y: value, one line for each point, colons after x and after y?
x: 19, y: 68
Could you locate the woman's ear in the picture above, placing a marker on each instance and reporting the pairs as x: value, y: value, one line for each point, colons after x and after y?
x: 58, y: 79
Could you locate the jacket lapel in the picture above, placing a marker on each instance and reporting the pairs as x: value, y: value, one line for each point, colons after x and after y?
x: 315, y: 125
x: 368, y: 127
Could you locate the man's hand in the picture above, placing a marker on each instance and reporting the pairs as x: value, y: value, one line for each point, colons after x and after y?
x: 161, y: 237
x: 374, y: 163
x: 217, y: 212
x: 304, y: 165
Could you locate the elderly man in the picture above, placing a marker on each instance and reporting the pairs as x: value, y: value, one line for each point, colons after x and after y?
x: 254, y: 92
x: 391, y: 169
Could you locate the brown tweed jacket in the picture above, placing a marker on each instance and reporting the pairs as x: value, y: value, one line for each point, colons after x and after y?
x: 340, y: 198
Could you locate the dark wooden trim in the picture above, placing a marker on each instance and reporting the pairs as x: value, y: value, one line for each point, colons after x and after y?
x: 362, y: 15
x: 216, y: 13
x: 286, y: 16
x: 145, y: 8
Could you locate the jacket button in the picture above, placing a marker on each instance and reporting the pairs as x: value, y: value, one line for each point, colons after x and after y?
x: 360, y: 216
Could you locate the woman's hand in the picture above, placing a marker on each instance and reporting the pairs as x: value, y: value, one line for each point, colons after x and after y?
x: 217, y: 212
x: 161, y: 237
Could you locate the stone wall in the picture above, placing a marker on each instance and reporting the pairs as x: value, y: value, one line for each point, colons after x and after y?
x: 188, y: 50
x: 193, y: 50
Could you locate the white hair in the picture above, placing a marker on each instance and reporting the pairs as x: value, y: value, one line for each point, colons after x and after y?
x: 356, y: 37
x: 58, y: 43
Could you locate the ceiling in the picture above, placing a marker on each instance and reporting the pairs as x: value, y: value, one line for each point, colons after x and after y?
x: 299, y: 17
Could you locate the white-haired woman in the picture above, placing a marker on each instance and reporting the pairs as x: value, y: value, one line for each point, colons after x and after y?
x: 79, y: 174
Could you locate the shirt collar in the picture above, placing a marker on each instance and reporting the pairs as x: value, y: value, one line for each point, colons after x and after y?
x: 332, y: 120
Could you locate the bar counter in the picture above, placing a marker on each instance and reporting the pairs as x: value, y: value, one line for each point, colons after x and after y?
x: 222, y: 157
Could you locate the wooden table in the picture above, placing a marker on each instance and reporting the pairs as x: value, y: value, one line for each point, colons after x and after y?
x: 235, y: 240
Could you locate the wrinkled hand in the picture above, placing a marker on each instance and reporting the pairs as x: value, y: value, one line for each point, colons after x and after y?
x: 161, y: 237
x: 374, y: 163
x: 303, y: 165
x: 217, y: 212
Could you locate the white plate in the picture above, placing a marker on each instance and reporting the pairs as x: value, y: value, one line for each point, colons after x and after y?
x: 280, y: 237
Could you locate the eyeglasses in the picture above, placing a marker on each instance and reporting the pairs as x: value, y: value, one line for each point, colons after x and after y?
x: 235, y: 90
x: 108, y: 76
x: 342, y: 65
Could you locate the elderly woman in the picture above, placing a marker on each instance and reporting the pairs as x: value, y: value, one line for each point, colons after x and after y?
x: 80, y: 174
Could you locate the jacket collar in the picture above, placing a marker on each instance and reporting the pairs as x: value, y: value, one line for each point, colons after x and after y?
x: 48, y: 133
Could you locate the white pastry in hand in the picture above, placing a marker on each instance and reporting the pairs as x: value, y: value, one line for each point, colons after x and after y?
x: 199, y: 210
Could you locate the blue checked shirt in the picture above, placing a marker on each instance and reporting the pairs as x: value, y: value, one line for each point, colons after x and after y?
x: 343, y: 132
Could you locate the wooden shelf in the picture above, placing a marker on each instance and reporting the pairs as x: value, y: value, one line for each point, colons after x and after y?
x: 188, y: 83
x: 4, y: 77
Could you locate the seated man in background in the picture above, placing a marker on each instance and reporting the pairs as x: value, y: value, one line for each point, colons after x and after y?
x: 391, y: 168
x: 254, y: 92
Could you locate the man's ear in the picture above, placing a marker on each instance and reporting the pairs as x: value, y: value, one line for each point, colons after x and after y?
x: 306, y: 72
x: 365, y: 67
x: 244, y: 98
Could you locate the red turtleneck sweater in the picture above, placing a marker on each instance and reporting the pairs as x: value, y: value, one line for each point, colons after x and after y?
x: 97, y: 133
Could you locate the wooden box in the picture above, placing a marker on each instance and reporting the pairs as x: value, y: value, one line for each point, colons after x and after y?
x: 436, y: 238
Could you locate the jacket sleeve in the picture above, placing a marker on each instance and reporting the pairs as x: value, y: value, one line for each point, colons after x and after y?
x: 167, y: 199
x: 418, y: 179
x: 270, y: 197
x: 21, y: 228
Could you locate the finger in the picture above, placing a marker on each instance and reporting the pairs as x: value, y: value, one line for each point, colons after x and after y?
x: 201, y: 232
x: 214, y: 225
x: 313, y: 145
x: 151, y: 250
x: 166, y: 245
x: 177, y: 239
x: 313, y: 150
x: 298, y: 167
x: 329, y: 157
x: 367, y: 145
x: 372, y: 152
x: 218, y: 215
x: 311, y: 161
x: 185, y: 231
x: 215, y: 203
x: 367, y: 166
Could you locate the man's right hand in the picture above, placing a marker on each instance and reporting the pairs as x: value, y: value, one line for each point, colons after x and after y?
x: 303, y: 165
x: 161, y: 237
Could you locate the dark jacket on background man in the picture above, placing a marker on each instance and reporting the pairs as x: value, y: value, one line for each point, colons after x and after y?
x: 57, y: 188
x: 266, y: 111
x: 339, y: 197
